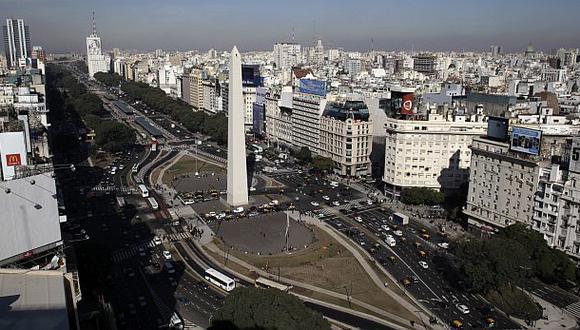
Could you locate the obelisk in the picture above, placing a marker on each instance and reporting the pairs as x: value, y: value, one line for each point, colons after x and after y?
x: 237, y: 171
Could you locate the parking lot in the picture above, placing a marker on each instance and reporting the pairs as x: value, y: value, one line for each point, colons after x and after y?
x: 413, y: 262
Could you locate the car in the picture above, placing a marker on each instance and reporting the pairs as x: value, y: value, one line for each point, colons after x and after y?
x: 358, y: 219
x: 239, y: 209
x: 385, y: 227
x: 336, y: 203
x: 423, y: 264
x: 326, y: 198
x: 386, y: 284
x: 314, y: 203
x: 443, y: 245
x: 142, y: 301
x: 141, y: 252
x: 167, y: 255
x: 369, y: 202
x: 398, y: 233
x: 252, y: 188
x: 211, y: 214
x: 157, y: 240
x: 462, y: 308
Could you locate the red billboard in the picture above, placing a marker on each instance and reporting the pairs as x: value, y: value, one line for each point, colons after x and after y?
x: 407, y: 107
x: 13, y: 160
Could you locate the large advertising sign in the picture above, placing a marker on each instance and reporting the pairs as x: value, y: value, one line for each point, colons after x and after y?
x: 497, y: 128
x: 400, y: 102
x: 574, y: 165
x: 407, y: 107
x: 251, y: 75
x: 311, y: 86
x: 526, y: 140
x: 13, y: 153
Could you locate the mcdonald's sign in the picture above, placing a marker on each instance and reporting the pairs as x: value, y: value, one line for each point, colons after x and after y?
x: 13, y: 160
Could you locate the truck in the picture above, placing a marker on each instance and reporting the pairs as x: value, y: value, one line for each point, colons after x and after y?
x: 400, y: 218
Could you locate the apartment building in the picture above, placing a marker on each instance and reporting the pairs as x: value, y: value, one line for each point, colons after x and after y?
x: 431, y: 153
x: 307, y: 109
x: 278, y: 108
x: 346, y: 137
x: 192, y: 88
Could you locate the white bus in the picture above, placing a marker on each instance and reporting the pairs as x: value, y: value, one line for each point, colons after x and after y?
x: 262, y: 282
x: 153, y: 203
x: 219, y: 279
x: 135, y: 168
x: 144, y: 191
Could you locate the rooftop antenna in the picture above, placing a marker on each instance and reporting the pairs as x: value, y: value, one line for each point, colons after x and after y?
x: 372, y: 45
x: 293, y: 37
x: 94, y: 24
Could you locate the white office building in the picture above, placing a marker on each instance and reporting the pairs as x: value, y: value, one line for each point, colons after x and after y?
x: 306, y: 112
x: 96, y: 61
x: 431, y: 153
x: 287, y: 55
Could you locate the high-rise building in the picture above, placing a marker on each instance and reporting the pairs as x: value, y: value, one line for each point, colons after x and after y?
x: 192, y: 88
x: 495, y: 50
x: 287, y: 55
x: 307, y: 107
x: 16, y: 42
x: 237, y: 171
x: 96, y: 61
x: 425, y: 63
x: 346, y: 137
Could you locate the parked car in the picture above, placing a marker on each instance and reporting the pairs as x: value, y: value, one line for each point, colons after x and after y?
x: 462, y: 308
x: 167, y: 255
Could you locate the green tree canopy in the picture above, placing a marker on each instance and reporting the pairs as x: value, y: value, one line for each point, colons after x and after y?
x: 253, y: 308
x: 421, y: 196
x: 303, y: 155
x: 322, y: 164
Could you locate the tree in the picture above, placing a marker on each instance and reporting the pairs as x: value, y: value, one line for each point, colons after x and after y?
x: 114, y: 136
x: 304, y: 155
x: 322, y: 164
x: 421, y: 196
x: 253, y: 308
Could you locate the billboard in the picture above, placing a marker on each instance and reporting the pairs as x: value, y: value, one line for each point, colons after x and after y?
x: 251, y: 75
x: 526, y: 140
x: 574, y: 165
x: 497, y: 128
x: 400, y: 102
x: 258, y: 118
x: 12, y: 152
x: 311, y: 86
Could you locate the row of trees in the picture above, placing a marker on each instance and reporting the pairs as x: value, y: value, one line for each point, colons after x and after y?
x: 318, y: 163
x: 195, y: 121
x: 67, y: 95
x: 421, y: 196
x: 253, y: 308
x: 514, y: 254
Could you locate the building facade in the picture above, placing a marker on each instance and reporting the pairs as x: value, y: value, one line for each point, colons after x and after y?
x: 433, y: 153
x: 346, y: 137
x: 192, y: 88
x: 16, y: 42
x: 287, y: 55
x: 306, y: 112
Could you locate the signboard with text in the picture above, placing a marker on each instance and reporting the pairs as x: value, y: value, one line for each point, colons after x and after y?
x: 526, y: 140
x: 311, y: 86
x: 13, y: 160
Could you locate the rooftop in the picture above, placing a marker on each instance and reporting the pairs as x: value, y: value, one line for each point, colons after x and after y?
x: 32, y: 300
x: 349, y: 109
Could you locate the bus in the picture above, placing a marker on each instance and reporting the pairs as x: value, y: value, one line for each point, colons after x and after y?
x: 262, y: 282
x: 219, y: 279
x: 135, y: 168
x: 144, y: 191
x: 153, y: 203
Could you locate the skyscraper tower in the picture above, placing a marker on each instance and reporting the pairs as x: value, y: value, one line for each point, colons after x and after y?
x: 16, y: 42
x: 96, y: 61
x: 237, y: 171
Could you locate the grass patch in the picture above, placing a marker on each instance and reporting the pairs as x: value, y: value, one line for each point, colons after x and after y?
x: 328, y: 265
x: 187, y: 165
x: 515, y: 302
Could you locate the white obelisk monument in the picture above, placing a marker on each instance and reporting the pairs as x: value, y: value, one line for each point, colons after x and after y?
x: 237, y: 171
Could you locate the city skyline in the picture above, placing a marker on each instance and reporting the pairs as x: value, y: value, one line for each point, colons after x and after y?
x: 179, y: 25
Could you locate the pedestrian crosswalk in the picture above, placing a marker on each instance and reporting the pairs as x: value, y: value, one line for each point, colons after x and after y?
x: 573, y: 309
x: 111, y: 188
x: 131, y: 251
x: 178, y: 236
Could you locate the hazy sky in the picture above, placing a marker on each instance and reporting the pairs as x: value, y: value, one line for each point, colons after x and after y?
x: 62, y: 25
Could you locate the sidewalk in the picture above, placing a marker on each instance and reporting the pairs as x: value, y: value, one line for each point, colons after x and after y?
x: 556, y: 318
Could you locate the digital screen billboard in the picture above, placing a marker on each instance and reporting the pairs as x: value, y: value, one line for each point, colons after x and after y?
x: 526, y: 140
x: 311, y: 86
x: 251, y: 75
x: 400, y: 102
x: 497, y: 128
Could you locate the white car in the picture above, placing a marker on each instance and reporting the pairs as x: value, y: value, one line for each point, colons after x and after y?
x: 211, y: 214
x: 423, y: 264
x: 167, y: 255
x: 314, y: 203
x: 336, y: 203
x: 385, y: 227
x: 398, y: 233
x: 443, y: 245
x: 252, y: 188
x: 462, y: 308
x: 157, y: 240
x: 326, y: 198
x: 239, y: 209
x: 358, y: 219
x: 369, y: 202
